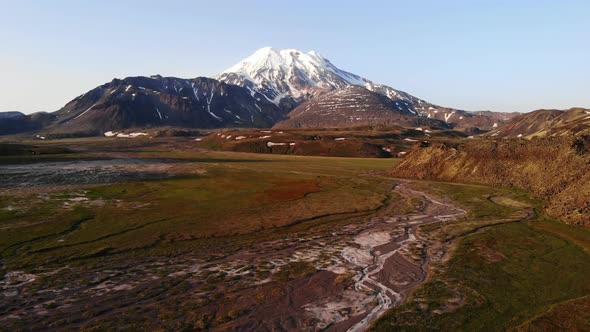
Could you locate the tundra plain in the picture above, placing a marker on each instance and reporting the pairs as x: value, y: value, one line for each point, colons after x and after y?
x: 162, y: 234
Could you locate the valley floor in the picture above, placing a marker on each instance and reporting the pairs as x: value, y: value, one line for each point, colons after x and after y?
x: 122, y: 235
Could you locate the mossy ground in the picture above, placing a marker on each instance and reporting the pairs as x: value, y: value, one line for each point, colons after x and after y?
x: 508, y: 275
x: 236, y: 196
x: 503, y: 273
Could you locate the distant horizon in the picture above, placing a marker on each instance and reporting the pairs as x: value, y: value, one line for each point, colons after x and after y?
x: 499, y: 56
x: 213, y: 77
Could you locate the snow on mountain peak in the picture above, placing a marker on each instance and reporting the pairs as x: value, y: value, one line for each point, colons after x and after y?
x: 269, y: 58
x: 292, y: 74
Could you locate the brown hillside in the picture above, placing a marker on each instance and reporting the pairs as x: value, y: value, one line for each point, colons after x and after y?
x: 544, y: 123
x: 556, y: 169
x: 355, y: 106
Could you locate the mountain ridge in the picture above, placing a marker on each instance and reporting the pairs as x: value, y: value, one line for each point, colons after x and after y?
x: 545, y: 122
x: 165, y: 101
x: 290, y: 77
x: 293, y: 74
x: 259, y: 91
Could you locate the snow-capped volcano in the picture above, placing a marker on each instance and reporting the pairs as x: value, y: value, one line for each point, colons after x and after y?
x: 270, y: 87
x: 291, y: 76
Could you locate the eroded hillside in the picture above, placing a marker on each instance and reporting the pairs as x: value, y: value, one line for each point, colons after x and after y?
x: 555, y: 169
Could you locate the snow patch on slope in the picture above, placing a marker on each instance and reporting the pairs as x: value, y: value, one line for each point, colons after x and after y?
x: 279, y: 74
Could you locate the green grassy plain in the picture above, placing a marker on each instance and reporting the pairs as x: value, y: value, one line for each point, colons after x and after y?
x: 510, y: 267
x: 235, y: 196
x: 507, y: 275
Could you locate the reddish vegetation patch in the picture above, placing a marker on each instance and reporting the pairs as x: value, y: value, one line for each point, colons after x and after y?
x: 287, y: 190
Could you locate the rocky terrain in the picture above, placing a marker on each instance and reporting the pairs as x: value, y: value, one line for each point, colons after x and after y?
x: 164, y: 101
x: 556, y: 169
x: 543, y: 123
x: 356, y: 106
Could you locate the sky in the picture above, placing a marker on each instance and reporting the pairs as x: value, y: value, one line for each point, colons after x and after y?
x: 473, y: 55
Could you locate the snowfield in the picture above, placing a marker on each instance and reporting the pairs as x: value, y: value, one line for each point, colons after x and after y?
x: 270, y: 72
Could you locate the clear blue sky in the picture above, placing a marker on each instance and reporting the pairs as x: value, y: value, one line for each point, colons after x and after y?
x: 497, y: 55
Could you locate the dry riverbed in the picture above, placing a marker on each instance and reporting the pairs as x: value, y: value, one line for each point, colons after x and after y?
x: 334, y: 272
x: 338, y: 281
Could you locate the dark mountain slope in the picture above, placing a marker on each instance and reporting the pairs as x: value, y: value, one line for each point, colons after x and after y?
x: 17, y: 122
x: 164, y: 101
